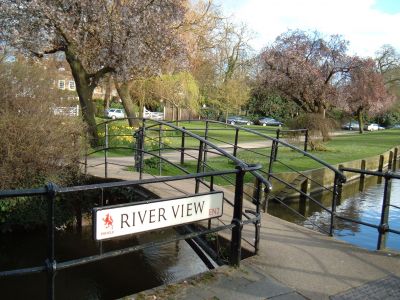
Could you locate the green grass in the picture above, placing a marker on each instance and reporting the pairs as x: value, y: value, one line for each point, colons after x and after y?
x: 342, y: 148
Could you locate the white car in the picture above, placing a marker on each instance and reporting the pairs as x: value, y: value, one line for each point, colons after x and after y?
x: 114, y: 113
x: 371, y: 127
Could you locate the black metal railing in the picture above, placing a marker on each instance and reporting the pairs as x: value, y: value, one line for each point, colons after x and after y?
x: 52, y: 191
x: 240, y: 144
x: 383, y: 227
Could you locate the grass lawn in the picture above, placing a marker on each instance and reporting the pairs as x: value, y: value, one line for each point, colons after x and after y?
x: 342, y: 148
x: 120, y: 135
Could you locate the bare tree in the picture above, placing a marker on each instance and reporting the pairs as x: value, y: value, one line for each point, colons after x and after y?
x: 97, y: 37
x: 364, y: 92
x: 305, y: 68
x: 388, y: 64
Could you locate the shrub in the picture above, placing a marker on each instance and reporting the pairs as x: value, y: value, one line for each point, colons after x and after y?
x: 36, y: 146
x: 319, y: 128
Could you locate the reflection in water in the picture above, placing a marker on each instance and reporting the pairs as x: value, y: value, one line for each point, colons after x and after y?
x: 368, y: 205
x: 109, y: 279
x: 365, y: 206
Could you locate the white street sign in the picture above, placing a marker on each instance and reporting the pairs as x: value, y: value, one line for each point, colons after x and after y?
x: 119, y: 220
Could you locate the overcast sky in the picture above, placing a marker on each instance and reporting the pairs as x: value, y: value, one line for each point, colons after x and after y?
x: 366, y: 24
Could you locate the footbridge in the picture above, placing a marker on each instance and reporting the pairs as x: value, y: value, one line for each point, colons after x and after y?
x: 251, y: 168
x: 277, y: 158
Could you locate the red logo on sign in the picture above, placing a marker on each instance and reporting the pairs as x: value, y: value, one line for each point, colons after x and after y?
x: 108, y: 221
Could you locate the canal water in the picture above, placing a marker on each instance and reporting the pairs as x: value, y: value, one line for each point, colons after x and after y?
x: 364, y: 206
x: 108, y: 279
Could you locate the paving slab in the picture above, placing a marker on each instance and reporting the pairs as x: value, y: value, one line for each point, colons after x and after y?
x: 387, y: 288
x: 293, y: 262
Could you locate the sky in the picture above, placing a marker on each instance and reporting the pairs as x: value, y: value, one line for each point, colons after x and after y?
x: 366, y: 24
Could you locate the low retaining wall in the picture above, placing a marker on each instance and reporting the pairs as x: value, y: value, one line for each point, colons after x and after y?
x: 325, y: 177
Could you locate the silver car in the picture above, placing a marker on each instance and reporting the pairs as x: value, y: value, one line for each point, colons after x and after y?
x: 114, y: 113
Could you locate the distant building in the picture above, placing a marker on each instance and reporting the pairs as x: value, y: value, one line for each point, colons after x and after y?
x: 65, y: 81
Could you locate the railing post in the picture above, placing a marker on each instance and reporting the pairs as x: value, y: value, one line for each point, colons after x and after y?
x: 303, y: 198
x: 383, y: 226
x: 199, y: 163
x: 395, y: 155
x: 266, y: 199
x: 159, y: 148
x: 235, y: 146
x: 390, y: 162
x: 236, y: 248
x: 380, y: 167
x: 142, y: 142
x: 106, y: 150
x: 334, y: 203
x: 205, y: 148
x: 137, y: 147
x: 211, y: 190
x: 183, y: 147
x: 271, y: 158
x: 86, y: 152
x: 362, y: 176
x: 50, y: 261
x: 257, y: 224
x: 278, y: 133
x: 306, y: 140
x: 339, y: 188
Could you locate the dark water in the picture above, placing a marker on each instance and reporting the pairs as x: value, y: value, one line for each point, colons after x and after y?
x: 363, y: 206
x: 108, y: 279
x: 367, y: 207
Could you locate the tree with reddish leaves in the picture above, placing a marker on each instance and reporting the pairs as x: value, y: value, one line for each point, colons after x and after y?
x: 305, y: 68
x: 126, y: 38
x: 364, y: 92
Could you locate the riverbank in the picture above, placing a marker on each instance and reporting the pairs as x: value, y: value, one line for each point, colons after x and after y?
x: 321, y: 178
x: 294, y: 263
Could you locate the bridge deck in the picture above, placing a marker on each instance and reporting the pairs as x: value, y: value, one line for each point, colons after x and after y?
x: 293, y: 262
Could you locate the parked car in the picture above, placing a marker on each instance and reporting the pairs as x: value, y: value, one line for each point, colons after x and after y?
x: 238, y: 120
x: 352, y: 125
x: 395, y: 126
x: 114, y: 113
x: 266, y: 121
x: 371, y: 127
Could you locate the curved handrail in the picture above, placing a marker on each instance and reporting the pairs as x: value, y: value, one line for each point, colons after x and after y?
x: 239, y: 162
x: 342, y: 177
x: 336, y: 171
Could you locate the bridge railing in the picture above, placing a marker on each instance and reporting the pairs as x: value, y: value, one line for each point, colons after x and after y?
x: 384, y: 226
x: 156, y: 150
x: 249, y: 144
x: 256, y: 144
x: 52, y: 192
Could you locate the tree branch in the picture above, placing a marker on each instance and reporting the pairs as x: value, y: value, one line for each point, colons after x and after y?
x: 52, y: 51
x: 99, y: 74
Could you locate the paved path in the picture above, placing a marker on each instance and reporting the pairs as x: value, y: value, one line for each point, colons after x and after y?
x: 293, y: 263
x: 173, y: 156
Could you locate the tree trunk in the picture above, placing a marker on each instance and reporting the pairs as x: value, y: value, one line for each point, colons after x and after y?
x: 124, y: 94
x: 177, y: 116
x: 360, y: 117
x: 141, y: 108
x: 84, y: 88
x: 107, y: 96
x: 321, y: 110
